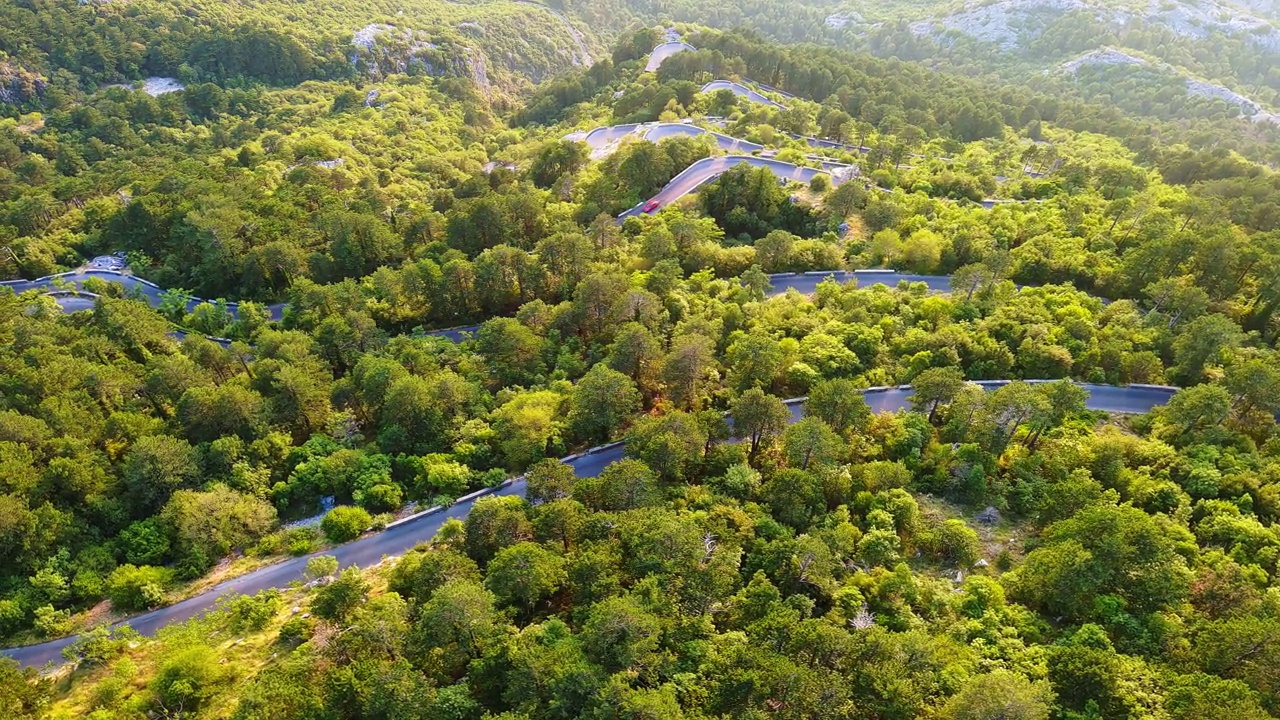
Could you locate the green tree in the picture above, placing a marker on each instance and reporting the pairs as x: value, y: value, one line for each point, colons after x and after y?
x: 336, y: 600
x: 189, y: 680
x: 145, y: 542
x: 214, y: 522
x: 454, y: 627
x: 495, y: 523
x: 138, y: 588
x: 759, y: 418
x: 935, y: 387
x: 24, y: 694
x: 513, y: 351
x: 688, y: 369
x: 427, y: 568
x: 673, y: 445
x: 1197, y: 408
x: 624, y: 485
x: 811, y: 441
x: 549, y: 480
x: 155, y: 466
x: 1104, y: 550
x: 840, y: 404
x: 1254, y: 386
x: 525, y: 574
x: 1244, y: 649
x: 555, y: 160
x: 529, y: 425
x: 1000, y: 695
x: 795, y: 497
x: 754, y: 361
x: 955, y: 544
x: 620, y: 634
x: 601, y: 401
x: 1063, y: 400
x: 635, y: 352
x: 1202, y: 344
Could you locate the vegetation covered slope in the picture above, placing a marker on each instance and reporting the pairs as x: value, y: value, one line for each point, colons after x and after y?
x: 777, y: 576
x: 65, y: 47
x: 1221, y: 44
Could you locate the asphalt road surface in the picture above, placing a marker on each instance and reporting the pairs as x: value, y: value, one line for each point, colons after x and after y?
x: 807, y: 283
x: 664, y: 51
x: 708, y: 169
x: 661, y: 131
x: 774, y: 90
x: 603, y: 138
x: 600, y: 137
x: 741, y: 91
x: 400, y: 538
x: 152, y: 292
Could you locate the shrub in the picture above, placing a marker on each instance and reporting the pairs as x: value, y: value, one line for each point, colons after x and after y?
x: 189, y: 679
x: 52, y: 623
x: 144, y: 542
x: 345, y: 523
x: 251, y: 612
x: 295, y: 631
x: 321, y: 566
x: 335, y: 600
x: 383, y: 498
x: 294, y: 541
x: 12, y: 616
x: 100, y: 645
x: 131, y: 587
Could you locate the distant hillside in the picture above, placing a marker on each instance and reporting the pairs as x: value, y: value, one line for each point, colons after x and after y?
x: 1235, y: 45
x: 68, y: 46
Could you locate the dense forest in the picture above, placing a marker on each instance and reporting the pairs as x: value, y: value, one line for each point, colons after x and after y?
x: 978, y: 554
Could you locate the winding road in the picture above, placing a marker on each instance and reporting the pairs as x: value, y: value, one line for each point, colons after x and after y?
x: 402, y: 536
x: 603, y: 140
x: 413, y: 531
x: 707, y: 169
x: 76, y: 279
x: 76, y: 299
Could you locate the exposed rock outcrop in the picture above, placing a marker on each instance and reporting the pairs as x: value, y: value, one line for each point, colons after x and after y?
x: 19, y: 86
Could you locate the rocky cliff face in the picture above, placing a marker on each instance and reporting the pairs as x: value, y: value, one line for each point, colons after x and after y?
x: 19, y: 86
x: 380, y: 50
x: 1012, y: 23
x: 1249, y: 108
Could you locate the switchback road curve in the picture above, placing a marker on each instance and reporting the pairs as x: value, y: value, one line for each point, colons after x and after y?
x: 664, y: 51
x: 707, y: 169
x: 406, y: 534
x: 741, y: 91
x: 603, y: 140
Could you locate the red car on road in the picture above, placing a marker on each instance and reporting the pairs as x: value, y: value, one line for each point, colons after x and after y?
x: 650, y: 206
